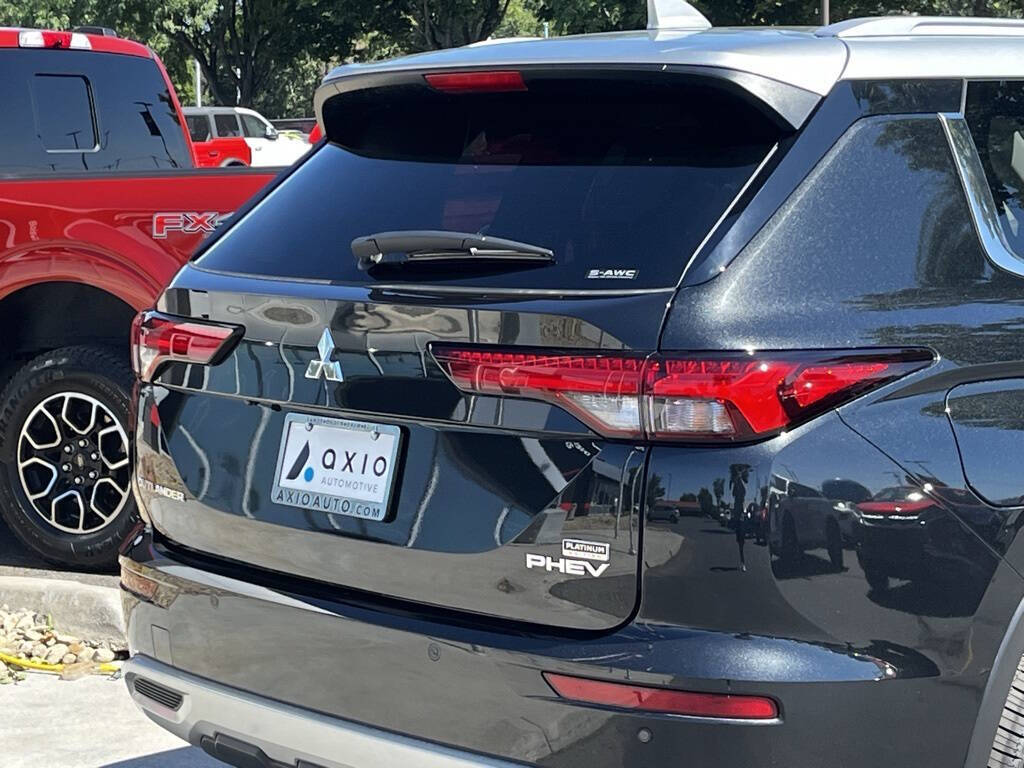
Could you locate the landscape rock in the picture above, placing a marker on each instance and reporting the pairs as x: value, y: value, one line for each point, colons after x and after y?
x: 25, y: 634
x: 56, y: 653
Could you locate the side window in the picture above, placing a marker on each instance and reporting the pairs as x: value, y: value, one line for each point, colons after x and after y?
x: 199, y: 127
x: 995, y: 117
x: 227, y: 126
x: 253, y: 127
x: 64, y: 114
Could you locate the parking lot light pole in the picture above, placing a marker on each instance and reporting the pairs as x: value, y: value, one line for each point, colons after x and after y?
x: 199, y: 84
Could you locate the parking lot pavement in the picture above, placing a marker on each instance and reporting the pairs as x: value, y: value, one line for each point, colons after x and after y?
x: 90, y: 723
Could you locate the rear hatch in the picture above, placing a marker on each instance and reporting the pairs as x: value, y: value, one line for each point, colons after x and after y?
x: 344, y: 438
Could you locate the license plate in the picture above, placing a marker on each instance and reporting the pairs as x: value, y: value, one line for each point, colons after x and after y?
x: 336, y: 465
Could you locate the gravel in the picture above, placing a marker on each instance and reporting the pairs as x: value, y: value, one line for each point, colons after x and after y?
x: 27, y: 634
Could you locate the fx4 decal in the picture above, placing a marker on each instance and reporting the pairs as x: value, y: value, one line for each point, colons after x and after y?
x: 187, y: 222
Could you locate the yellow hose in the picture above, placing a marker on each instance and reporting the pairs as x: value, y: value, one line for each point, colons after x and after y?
x: 42, y: 666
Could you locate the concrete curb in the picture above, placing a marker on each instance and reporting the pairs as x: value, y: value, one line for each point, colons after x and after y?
x: 84, y: 610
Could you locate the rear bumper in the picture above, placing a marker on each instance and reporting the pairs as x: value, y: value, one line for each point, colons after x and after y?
x: 225, y: 720
x: 283, y: 671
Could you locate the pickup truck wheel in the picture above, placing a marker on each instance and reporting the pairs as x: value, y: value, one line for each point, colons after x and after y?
x: 65, y: 486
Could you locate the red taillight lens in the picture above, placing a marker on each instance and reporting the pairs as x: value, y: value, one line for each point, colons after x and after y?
x: 603, y: 390
x: 158, y: 338
x: 478, y: 82
x: 663, y: 701
x: 698, y: 397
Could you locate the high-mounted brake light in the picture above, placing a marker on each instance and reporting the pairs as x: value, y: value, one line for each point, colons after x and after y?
x: 480, y: 82
x: 158, y: 339
x: 37, y: 38
x: 686, y: 397
x: 662, y: 700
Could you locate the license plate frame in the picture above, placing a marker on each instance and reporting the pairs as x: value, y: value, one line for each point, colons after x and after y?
x: 300, y: 488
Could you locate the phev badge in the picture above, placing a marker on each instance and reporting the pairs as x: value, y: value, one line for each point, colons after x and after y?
x: 329, y: 369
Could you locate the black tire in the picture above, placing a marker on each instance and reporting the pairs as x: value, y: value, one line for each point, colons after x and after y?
x: 99, y: 374
x: 1008, y: 747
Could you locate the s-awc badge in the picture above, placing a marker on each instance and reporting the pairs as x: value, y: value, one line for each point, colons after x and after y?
x: 612, y: 274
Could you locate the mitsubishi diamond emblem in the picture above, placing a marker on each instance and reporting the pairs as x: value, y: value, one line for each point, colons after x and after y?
x: 330, y: 369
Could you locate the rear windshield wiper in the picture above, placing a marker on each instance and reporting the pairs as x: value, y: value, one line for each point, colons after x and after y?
x: 425, y: 245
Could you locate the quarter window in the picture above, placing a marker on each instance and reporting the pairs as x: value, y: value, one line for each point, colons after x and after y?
x: 227, y: 126
x: 995, y: 117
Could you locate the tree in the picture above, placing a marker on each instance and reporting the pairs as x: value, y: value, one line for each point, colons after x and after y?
x: 237, y: 43
x: 577, y: 16
x: 450, y: 23
x: 573, y: 17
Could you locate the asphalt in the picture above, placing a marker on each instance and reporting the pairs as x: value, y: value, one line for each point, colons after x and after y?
x: 88, y: 723
x: 17, y: 560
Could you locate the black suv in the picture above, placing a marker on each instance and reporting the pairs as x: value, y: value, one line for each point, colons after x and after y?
x: 620, y: 401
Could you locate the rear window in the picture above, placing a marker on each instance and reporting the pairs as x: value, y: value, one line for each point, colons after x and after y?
x: 77, y: 111
x: 620, y: 178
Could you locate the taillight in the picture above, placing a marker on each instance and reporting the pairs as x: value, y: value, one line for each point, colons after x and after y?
x: 159, y: 338
x: 37, y: 38
x: 501, y: 81
x: 663, y: 700
x: 704, y: 396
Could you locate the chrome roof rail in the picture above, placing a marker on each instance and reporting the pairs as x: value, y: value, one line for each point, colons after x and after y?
x: 926, y: 26
x: 674, y: 14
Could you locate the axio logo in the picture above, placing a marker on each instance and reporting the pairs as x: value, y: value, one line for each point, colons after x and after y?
x: 612, y: 274
x: 300, y: 462
x: 564, y: 565
x: 187, y: 222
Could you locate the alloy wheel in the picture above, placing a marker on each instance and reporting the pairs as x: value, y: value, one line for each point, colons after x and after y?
x: 73, y: 463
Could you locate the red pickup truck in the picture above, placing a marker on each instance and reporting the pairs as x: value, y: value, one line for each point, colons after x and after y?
x: 100, y: 203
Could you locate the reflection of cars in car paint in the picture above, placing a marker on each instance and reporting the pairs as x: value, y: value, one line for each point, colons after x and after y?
x: 895, y: 533
x: 663, y: 511
x: 226, y: 136
x: 803, y: 519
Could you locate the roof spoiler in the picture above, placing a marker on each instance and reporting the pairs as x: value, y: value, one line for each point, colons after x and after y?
x: 674, y: 14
